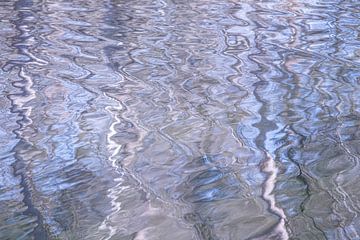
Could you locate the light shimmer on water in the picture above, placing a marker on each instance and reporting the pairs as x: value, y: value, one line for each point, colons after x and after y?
x: 179, y: 120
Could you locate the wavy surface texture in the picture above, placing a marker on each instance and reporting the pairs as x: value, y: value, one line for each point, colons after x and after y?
x: 179, y: 119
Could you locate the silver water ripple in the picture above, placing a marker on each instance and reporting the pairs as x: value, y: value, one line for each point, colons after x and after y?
x: 171, y: 119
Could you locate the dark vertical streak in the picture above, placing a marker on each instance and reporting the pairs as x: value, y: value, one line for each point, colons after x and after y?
x: 21, y: 166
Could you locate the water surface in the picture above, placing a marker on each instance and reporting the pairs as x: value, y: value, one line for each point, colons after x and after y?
x: 171, y: 119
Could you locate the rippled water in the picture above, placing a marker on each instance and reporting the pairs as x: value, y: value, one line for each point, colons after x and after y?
x: 172, y: 119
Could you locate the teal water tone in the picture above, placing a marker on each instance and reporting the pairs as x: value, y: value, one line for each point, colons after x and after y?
x: 180, y: 120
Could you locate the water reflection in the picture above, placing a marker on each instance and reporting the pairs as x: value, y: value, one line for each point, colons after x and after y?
x: 179, y: 120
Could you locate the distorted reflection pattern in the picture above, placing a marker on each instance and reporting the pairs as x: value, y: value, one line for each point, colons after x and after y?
x: 171, y: 119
